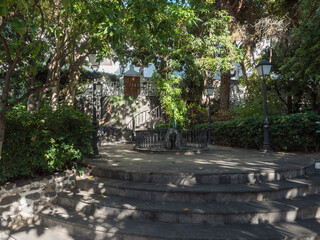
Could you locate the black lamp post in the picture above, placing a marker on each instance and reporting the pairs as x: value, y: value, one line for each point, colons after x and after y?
x: 97, y: 88
x: 264, y: 69
x: 209, y: 92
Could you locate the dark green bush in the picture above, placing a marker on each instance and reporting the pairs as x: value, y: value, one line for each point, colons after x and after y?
x: 44, y: 142
x: 196, y: 114
x: 294, y: 132
x: 167, y: 125
x: 164, y: 125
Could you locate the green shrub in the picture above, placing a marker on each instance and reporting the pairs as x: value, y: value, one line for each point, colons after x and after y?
x: 170, y: 98
x: 196, y: 114
x: 252, y: 105
x: 166, y: 125
x: 44, y: 142
x: 159, y: 126
x: 223, y: 115
x: 294, y: 132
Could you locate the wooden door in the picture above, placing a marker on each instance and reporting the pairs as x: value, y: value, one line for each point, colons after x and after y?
x: 131, y: 86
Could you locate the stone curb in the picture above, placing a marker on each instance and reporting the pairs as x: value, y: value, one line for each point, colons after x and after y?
x: 19, y: 201
x: 130, y: 230
x: 186, y: 213
x: 203, y: 178
x: 201, y: 193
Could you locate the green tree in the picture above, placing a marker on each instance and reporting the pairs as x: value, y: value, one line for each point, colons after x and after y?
x: 71, y: 26
x: 179, y: 37
x: 170, y: 97
x: 151, y: 31
x: 296, y: 60
x: 21, y: 37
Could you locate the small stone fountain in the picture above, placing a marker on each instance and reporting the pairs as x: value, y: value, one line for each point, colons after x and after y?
x: 171, y: 140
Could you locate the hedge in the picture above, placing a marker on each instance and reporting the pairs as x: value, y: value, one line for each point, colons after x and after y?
x: 44, y: 142
x: 294, y: 132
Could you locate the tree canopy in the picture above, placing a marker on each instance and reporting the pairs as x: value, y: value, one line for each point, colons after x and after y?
x: 44, y: 45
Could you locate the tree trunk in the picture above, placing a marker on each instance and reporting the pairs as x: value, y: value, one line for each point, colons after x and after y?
x: 289, y: 104
x: 54, y: 98
x: 31, y: 105
x: 270, y: 50
x: 252, y: 53
x: 318, y: 97
x: 314, y: 103
x: 225, y: 91
x: 39, y: 98
x: 31, y: 101
x: 4, y: 105
x: 244, y: 73
x: 74, y: 76
x: 2, y: 131
x: 296, y: 101
x: 70, y: 94
x: 207, y: 78
x: 54, y: 71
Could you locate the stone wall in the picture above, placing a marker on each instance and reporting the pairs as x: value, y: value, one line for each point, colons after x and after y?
x: 19, y: 201
x: 123, y: 108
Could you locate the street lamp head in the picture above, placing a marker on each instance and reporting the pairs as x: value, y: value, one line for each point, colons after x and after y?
x: 264, y: 68
x: 94, y: 62
x: 209, y: 90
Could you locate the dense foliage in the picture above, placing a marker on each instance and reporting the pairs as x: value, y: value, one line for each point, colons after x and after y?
x: 44, y: 142
x: 293, y: 132
x: 44, y: 46
x: 253, y: 104
x: 170, y: 98
x: 196, y: 114
x: 295, y: 58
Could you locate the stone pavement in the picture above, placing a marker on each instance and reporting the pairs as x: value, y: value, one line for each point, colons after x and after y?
x: 36, y: 233
x: 218, y: 160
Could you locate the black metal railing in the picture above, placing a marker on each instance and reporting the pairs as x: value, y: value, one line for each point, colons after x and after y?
x: 158, y: 139
x: 142, y: 118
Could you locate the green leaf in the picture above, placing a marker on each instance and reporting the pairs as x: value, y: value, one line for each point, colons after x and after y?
x: 21, y: 30
x: 3, y: 8
x: 24, y: 4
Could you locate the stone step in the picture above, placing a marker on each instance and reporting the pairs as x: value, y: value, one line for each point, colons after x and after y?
x: 211, y: 167
x: 91, y: 227
x: 193, y: 178
x: 202, y: 193
x: 287, y: 210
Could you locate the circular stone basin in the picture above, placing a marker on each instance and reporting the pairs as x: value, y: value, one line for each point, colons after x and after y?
x: 161, y: 149
x: 171, y: 140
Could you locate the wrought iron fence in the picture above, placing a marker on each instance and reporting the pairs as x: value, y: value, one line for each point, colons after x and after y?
x: 158, y: 139
x: 145, y: 118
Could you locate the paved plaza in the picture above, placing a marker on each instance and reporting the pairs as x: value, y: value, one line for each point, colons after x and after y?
x: 217, y: 159
x: 220, y: 161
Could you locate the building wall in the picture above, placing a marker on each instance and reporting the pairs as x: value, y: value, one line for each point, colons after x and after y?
x: 117, y: 111
x: 236, y: 90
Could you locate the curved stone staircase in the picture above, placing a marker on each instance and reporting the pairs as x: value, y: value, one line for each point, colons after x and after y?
x: 145, y: 119
x: 112, y: 203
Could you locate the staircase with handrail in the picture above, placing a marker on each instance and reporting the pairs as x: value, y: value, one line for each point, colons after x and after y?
x: 145, y: 119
